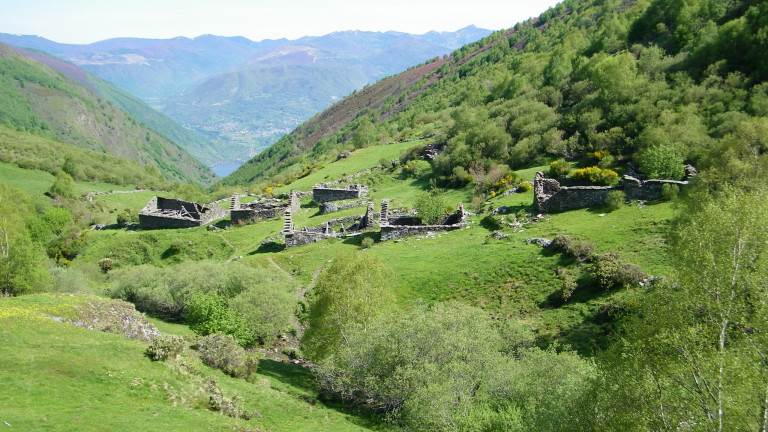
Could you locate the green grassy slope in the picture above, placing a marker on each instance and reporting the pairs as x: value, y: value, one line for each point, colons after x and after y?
x: 61, y: 377
x: 36, y: 152
x: 37, y: 183
x: 621, y: 77
x: 508, y: 277
x: 39, y: 99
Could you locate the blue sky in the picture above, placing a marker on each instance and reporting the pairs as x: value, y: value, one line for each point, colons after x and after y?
x: 86, y: 21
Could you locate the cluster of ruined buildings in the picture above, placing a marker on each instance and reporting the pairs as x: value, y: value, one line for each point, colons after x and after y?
x: 394, y: 223
x: 549, y: 197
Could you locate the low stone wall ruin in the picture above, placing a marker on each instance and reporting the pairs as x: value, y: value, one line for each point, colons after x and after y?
x: 321, y: 193
x: 391, y: 232
x: 175, y: 213
x: 551, y: 197
x: 331, y: 207
x: 265, y: 209
x: 402, y: 226
x: 306, y: 235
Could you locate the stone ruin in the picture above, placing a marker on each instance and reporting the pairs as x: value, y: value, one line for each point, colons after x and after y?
x: 347, y: 225
x: 263, y: 209
x: 551, y: 197
x: 175, y: 213
x: 322, y: 193
x: 393, y: 227
x: 332, y: 206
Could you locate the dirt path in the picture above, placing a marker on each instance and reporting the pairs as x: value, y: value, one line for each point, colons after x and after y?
x: 271, y: 261
x: 300, y: 294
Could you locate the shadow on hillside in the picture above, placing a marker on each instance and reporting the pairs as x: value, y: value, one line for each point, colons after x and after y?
x: 268, y: 247
x: 303, y: 380
x: 287, y: 373
x: 563, y: 259
x: 357, y: 240
x: 224, y: 223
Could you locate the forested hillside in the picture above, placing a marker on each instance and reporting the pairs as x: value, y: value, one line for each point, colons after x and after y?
x: 619, y: 77
x: 40, y: 100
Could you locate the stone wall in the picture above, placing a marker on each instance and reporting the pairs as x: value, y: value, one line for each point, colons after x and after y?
x: 330, y: 207
x: 551, y: 197
x: 322, y: 194
x: 299, y: 238
x: 306, y: 235
x: 267, y: 209
x: 391, y: 232
x: 175, y: 213
x: 648, y: 190
x: 394, y: 227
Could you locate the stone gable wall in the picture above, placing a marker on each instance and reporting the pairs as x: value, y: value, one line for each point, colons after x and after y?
x: 322, y: 194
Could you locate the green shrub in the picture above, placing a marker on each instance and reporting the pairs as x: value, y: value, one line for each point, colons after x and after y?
x: 582, y: 250
x: 221, y: 351
x: 564, y: 293
x: 610, y: 272
x: 63, y: 185
x: 561, y: 243
x: 524, y: 187
x: 209, y: 313
x: 491, y: 222
x: 460, y: 177
x: 607, y: 161
x: 615, y: 199
x: 367, y: 243
x: 231, y: 407
x: 430, y: 207
x: 176, y: 246
x: 559, y: 168
x: 596, y: 175
x: 165, y: 347
x: 106, y: 264
x: 669, y: 191
x: 128, y: 215
x: 661, y: 162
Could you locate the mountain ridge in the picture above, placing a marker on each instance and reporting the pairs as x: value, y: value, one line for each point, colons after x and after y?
x: 165, y: 72
x: 43, y: 100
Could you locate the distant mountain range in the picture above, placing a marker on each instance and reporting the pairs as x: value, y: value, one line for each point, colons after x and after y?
x: 240, y: 95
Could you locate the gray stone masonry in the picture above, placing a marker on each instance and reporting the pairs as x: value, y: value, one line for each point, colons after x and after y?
x: 265, y: 209
x: 367, y: 221
x: 330, y: 206
x: 306, y: 235
x: 384, y: 217
x: 551, y: 197
x: 402, y: 226
x: 321, y: 194
x: 175, y: 213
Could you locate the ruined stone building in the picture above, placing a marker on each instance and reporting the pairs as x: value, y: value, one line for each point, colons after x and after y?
x: 321, y: 194
x: 393, y: 227
x: 550, y: 197
x: 345, y: 226
x: 264, y: 209
x: 175, y: 213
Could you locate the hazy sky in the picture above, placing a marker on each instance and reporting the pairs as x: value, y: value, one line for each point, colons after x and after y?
x: 86, y: 21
